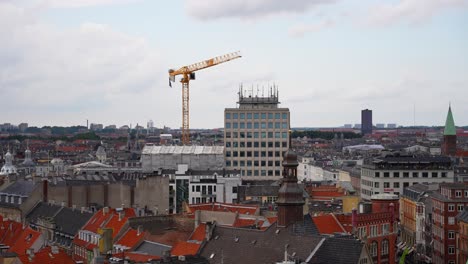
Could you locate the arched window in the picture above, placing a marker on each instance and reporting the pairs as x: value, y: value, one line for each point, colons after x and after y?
x: 373, y: 249
x: 385, y: 247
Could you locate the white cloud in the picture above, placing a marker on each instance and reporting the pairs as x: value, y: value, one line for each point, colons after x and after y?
x: 413, y: 11
x: 82, y: 3
x: 299, y: 30
x: 248, y: 9
x: 44, y: 69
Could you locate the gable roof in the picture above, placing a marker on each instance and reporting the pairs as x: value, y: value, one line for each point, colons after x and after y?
x: 328, y: 224
x: 236, y: 245
x: 45, y: 255
x: 130, y: 239
x: 25, y: 240
x: 338, y: 250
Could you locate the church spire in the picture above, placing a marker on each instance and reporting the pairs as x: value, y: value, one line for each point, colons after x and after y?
x: 450, y: 129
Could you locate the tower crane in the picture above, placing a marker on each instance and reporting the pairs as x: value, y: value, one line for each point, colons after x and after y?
x: 188, y: 73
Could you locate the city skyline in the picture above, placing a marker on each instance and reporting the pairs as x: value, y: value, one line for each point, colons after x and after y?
x: 107, y: 61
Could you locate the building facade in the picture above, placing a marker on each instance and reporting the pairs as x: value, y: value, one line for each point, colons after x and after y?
x: 256, y: 136
x: 462, y: 237
x: 447, y: 204
x: 366, y: 121
x: 393, y: 174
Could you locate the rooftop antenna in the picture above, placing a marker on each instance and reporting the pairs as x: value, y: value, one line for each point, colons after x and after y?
x: 414, y: 114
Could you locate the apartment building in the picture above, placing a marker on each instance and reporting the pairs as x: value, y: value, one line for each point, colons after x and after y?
x: 391, y: 174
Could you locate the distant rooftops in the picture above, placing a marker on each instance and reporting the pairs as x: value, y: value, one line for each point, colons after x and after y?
x: 199, y: 150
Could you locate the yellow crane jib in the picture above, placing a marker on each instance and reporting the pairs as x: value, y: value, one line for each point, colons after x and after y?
x: 188, y: 73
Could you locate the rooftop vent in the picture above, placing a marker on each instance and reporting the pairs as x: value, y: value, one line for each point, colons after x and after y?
x: 236, y: 239
x: 212, y: 255
x: 277, y: 231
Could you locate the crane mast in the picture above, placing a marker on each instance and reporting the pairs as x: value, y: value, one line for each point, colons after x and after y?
x: 188, y: 73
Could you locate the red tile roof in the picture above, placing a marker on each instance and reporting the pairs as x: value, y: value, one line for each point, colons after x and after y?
x: 25, y: 240
x: 247, y: 222
x: 45, y: 255
x: 224, y: 207
x: 131, y: 238
x: 9, y: 231
x: 185, y: 248
x: 327, y: 224
x: 199, y: 233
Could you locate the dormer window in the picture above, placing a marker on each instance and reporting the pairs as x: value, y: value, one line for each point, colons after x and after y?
x: 458, y: 194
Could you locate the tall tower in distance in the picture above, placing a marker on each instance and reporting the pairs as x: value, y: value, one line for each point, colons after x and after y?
x: 366, y: 122
x: 290, y: 196
x: 449, y: 145
x: 256, y: 135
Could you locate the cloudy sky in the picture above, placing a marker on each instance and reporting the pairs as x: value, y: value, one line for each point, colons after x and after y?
x: 65, y: 61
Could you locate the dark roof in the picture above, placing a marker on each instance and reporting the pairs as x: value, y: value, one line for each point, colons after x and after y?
x: 253, y: 246
x: 23, y: 188
x: 338, y: 250
x: 153, y: 248
x: 413, y: 159
x: 67, y: 220
x: 70, y: 221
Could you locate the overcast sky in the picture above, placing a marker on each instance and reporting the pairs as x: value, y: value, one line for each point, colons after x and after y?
x: 65, y: 61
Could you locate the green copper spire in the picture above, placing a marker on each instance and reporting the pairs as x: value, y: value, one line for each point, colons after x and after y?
x: 450, y: 129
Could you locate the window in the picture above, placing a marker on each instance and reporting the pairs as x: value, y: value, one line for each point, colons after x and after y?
x: 241, y: 125
x: 451, y: 207
x: 377, y: 174
x: 277, y: 116
x: 277, y: 125
x: 460, y: 208
x: 373, y: 231
x: 270, y: 124
x: 415, y: 174
x: 373, y: 249
x: 385, y: 229
x: 451, y: 234
x: 242, y: 116
x: 443, y: 175
x: 228, y: 115
x: 256, y: 115
x: 458, y: 194
x: 285, y: 135
x: 466, y: 194
x: 386, y: 185
x: 234, y: 189
x: 376, y: 184
x: 405, y: 174
x: 270, y: 115
x: 451, y: 220
x: 385, y: 247
x: 396, y: 185
x: 396, y: 174
x: 434, y: 175
x: 386, y: 174
x: 405, y: 184
x: 285, y: 116
x: 451, y: 250
x: 256, y: 125
x: 263, y: 115
x: 263, y: 125
x: 249, y: 115
x: 425, y: 174
x: 284, y: 125
x: 235, y: 116
x: 234, y: 125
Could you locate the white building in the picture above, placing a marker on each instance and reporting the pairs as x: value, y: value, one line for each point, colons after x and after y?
x: 393, y: 174
x: 207, y: 186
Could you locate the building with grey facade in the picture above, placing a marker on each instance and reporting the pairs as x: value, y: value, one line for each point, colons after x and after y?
x: 256, y: 136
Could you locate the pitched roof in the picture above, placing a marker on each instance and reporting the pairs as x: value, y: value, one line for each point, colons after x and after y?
x: 22, y: 188
x: 237, y: 245
x: 153, y: 248
x: 450, y: 129
x: 338, y: 250
x: 327, y: 224
x: 137, y: 257
x: 183, y: 248
x: 131, y: 238
x: 45, y: 255
x: 9, y: 231
x: 199, y: 233
x: 25, y: 240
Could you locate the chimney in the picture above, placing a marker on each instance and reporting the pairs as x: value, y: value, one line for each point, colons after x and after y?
x: 63, y: 204
x: 139, y: 230
x: 45, y: 187
x: 105, y: 210
x: 197, y: 218
x: 354, y: 220
x: 82, y: 209
x: 121, y: 214
x: 74, y: 207
x: 30, y: 253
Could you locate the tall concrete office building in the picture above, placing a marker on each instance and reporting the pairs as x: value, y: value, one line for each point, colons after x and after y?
x: 256, y: 135
x: 366, y: 121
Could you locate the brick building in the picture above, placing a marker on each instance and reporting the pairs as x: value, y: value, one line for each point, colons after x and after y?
x: 462, y: 237
x: 447, y: 204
